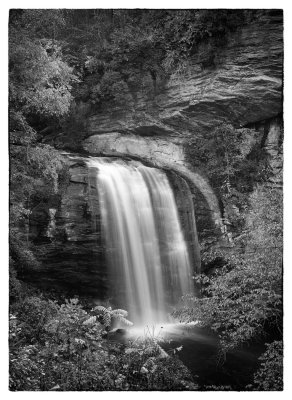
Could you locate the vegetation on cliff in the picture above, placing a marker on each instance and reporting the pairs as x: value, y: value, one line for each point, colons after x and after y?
x: 39, y: 90
x: 105, y: 55
x: 241, y: 300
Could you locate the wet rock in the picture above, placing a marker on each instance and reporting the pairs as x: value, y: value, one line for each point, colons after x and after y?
x: 69, y: 242
x: 185, y: 206
x: 118, y: 335
x: 162, y: 153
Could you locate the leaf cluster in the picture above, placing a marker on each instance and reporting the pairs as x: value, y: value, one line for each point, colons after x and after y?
x: 270, y: 374
x: 63, y: 347
x: 244, y: 300
x: 235, y: 163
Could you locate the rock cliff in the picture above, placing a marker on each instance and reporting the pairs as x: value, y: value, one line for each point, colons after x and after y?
x: 243, y: 85
x: 69, y: 234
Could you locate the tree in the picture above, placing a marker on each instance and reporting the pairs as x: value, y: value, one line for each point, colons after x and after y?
x: 39, y: 80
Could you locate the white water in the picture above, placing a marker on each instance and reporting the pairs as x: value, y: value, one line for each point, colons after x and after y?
x: 146, y: 251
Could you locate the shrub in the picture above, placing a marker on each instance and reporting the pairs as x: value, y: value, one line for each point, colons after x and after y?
x: 64, y: 348
x: 244, y: 299
x: 270, y: 374
x: 33, y: 314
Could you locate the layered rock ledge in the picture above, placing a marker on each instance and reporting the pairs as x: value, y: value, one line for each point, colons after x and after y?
x: 244, y: 86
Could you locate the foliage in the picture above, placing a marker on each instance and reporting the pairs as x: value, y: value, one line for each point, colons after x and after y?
x: 103, y: 57
x: 34, y: 312
x: 111, y: 87
x: 234, y: 162
x: 242, y: 291
x: 38, y: 23
x: 39, y: 80
x: 264, y: 223
x: 111, y: 53
x: 233, y: 158
x: 15, y: 287
x: 37, y: 174
x: 64, y: 348
x: 184, y: 30
x: 114, y: 51
x: 244, y: 299
x: 40, y: 84
x: 112, y: 318
x: 270, y: 374
x: 22, y: 256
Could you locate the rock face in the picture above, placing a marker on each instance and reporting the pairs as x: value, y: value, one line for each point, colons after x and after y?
x: 160, y: 153
x: 70, y: 244
x: 69, y: 237
x: 185, y: 206
x: 245, y: 86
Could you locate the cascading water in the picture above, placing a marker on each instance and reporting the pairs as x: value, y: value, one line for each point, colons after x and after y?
x: 146, y: 251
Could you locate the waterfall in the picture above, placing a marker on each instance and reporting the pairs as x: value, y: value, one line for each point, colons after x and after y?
x: 146, y: 252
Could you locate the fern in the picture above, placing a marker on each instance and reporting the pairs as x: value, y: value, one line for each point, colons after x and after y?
x: 120, y: 312
x: 112, y: 318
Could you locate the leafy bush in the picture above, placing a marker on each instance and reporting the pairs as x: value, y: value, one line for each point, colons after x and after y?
x: 34, y: 313
x: 15, y: 287
x: 235, y: 163
x: 39, y: 80
x: 38, y: 175
x: 65, y: 348
x: 111, y: 87
x: 244, y: 299
x: 232, y: 157
x: 270, y: 374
